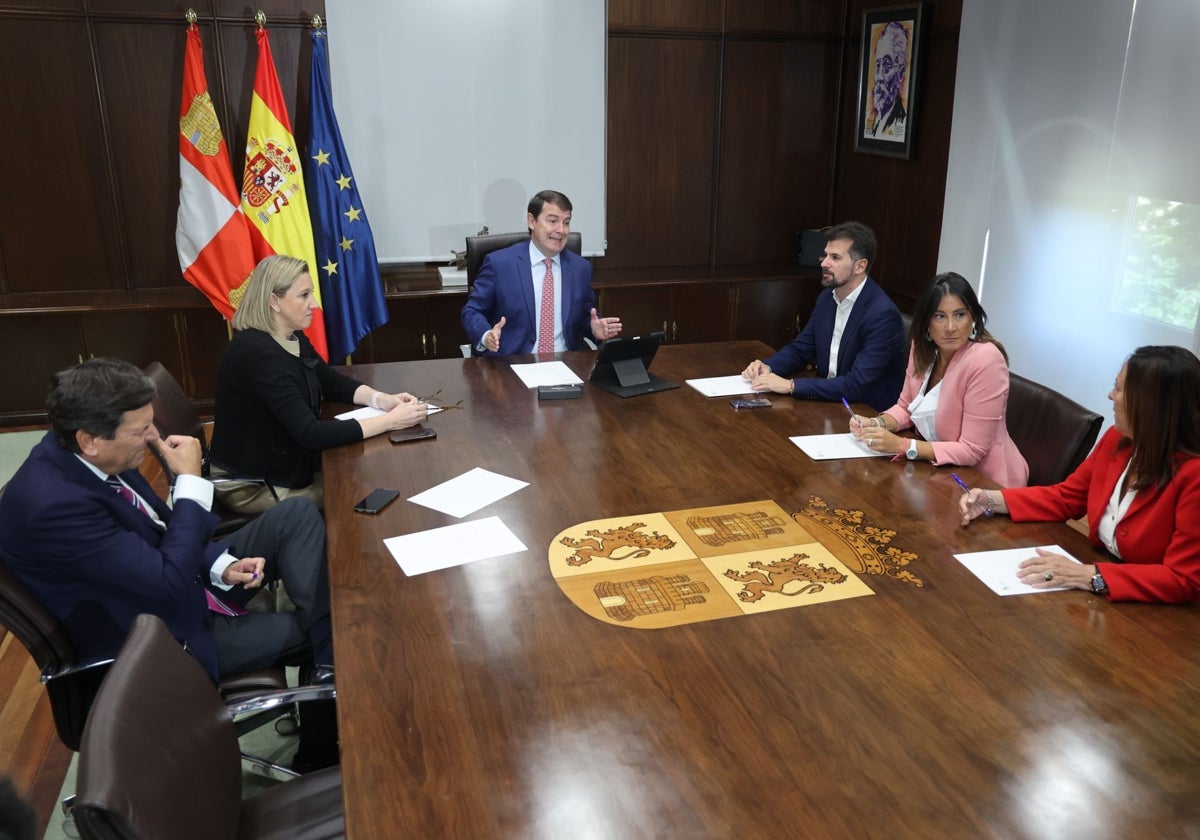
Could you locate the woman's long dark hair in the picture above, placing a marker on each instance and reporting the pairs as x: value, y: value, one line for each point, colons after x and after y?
x: 1162, y: 406
x: 950, y: 283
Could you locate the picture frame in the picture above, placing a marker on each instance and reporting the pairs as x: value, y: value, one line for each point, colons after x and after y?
x: 887, y: 80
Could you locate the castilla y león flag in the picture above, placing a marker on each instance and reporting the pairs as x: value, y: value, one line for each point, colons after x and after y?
x: 273, y: 184
x: 211, y: 236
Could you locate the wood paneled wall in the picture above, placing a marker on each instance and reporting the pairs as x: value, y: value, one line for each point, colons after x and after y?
x: 89, y: 159
x: 730, y: 128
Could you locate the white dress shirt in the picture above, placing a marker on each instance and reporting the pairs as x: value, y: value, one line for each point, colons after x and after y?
x: 839, y: 325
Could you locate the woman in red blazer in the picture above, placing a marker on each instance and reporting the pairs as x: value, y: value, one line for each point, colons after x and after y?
x: 1140, y: 489
x: 955, y: 390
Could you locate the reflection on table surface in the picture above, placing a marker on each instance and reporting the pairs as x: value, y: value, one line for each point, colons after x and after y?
x: 478, y: 701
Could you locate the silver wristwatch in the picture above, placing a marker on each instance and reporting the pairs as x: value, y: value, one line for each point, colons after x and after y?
x: 1099, y: 587
x: 911, y: 452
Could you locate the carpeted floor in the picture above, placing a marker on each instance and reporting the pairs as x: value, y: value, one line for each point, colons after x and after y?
x: 14, y: 447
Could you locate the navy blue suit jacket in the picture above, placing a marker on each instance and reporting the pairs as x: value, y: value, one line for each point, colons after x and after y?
x: 96, y: 561
x: 871, y: 357
x: 504, y: 286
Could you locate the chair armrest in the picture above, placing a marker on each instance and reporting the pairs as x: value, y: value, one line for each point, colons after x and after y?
x: 274, y: 699
x: 47, y: 675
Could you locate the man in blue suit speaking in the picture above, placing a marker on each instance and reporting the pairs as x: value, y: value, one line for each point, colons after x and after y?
x: 536, y: 296
x: 855, y: 335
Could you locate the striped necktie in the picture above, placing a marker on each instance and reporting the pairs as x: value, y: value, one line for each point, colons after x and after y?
x: 214, y: 604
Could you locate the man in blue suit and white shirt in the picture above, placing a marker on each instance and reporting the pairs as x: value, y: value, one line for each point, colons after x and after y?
x: 87, y: 534
x: 855, y: 335
x: 504, y: 311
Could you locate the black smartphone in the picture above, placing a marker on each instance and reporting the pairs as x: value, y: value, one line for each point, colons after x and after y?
x: 412, y: 433
x: 377, y: 500
x: 750, y: 402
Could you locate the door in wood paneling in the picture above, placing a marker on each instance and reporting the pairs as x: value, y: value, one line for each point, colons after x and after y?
x: 642, y: 309
x: 54, y: 176
x: 777, y: 147
x: 34, y: 347
x: 662, y: 112
x: 205, y: 337
x: 767, y: 311
x: 137, y: 337
x: 701, y: 312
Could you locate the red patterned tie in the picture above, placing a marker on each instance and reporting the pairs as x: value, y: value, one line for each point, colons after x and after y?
x: 546, y: 319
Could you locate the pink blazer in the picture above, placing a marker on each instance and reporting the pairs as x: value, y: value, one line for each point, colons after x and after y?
x: 972, y: 405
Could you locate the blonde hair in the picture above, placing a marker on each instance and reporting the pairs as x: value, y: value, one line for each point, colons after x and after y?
x: 273, y: 276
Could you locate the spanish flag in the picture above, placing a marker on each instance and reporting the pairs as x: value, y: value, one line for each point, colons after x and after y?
x: 273, y: 184
x: 211, y: 235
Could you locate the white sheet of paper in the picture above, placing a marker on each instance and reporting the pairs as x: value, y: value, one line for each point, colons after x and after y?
x: 722, y: 386
x: 998, y: 569
x: 834, y: 447
x: 453, y: 545
x: 363, y: 412
x: 468, y: 492
x: 546, y: 373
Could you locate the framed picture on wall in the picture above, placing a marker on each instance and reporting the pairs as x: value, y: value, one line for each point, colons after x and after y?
x: 887, y: 80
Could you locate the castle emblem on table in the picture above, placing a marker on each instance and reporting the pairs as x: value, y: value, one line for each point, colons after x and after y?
x: 658, y: 594
x: 272, y: 175
x: 775, y: 576
x: 609, y: 545
x: 734, y: 527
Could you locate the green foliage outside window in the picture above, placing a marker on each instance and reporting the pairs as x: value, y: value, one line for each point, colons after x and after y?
x: 1162, y: 263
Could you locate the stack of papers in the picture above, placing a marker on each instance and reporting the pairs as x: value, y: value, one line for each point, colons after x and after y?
x: 722, y: 386
x: 834, y: 447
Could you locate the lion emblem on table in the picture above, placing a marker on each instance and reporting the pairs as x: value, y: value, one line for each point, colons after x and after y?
x: 607, y: 544
x: 776, y: 575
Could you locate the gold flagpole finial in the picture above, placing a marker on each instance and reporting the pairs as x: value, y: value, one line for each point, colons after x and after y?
x: 260, y: 18
x: 315, y: 23
x: 190, y: 16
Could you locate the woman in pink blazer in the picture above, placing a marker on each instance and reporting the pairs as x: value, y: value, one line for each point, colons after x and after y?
x: 955, y: 390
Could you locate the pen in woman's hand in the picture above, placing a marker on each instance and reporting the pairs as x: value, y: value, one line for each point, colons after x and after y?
x: 853, y: 417
x: 987, y: 509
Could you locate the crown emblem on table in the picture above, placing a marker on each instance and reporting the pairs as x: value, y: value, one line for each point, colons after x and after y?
x: 873, y: 553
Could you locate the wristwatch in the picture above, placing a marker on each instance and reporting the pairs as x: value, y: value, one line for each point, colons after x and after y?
x: 1099, y: 587
x: 911, y: 452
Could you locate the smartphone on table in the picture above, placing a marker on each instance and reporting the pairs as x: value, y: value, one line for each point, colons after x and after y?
x: 377, y: 500
x: 412, y: 433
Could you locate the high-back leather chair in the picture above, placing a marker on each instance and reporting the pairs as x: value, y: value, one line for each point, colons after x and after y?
x: 70, y: 683
x: 159, y: 758
x: 175, y: 414
x: 1053, y: 432
x: 810, y: 247
x: 479, y: 247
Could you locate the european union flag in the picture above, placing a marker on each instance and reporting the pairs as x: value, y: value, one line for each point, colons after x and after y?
x: 351, y: 290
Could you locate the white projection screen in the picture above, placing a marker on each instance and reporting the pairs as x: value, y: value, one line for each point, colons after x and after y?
x: 1073, y: 186
x: 454, y: 113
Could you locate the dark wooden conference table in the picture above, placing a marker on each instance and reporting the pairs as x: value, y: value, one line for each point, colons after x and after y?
x: 478, y: 702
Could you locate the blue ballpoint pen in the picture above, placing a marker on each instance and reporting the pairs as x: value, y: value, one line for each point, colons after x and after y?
x: 851, y: 410
x: 967, y: 489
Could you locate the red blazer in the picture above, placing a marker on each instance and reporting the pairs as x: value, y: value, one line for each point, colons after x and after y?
x: 972, y: 407
x: 1159, y: 537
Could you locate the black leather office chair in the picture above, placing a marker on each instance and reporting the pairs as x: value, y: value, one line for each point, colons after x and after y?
x: 479, y: 247
x: 1054, y: 433
x: 810, y: 248
x: 159, y: 758
x: 175, y: 414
